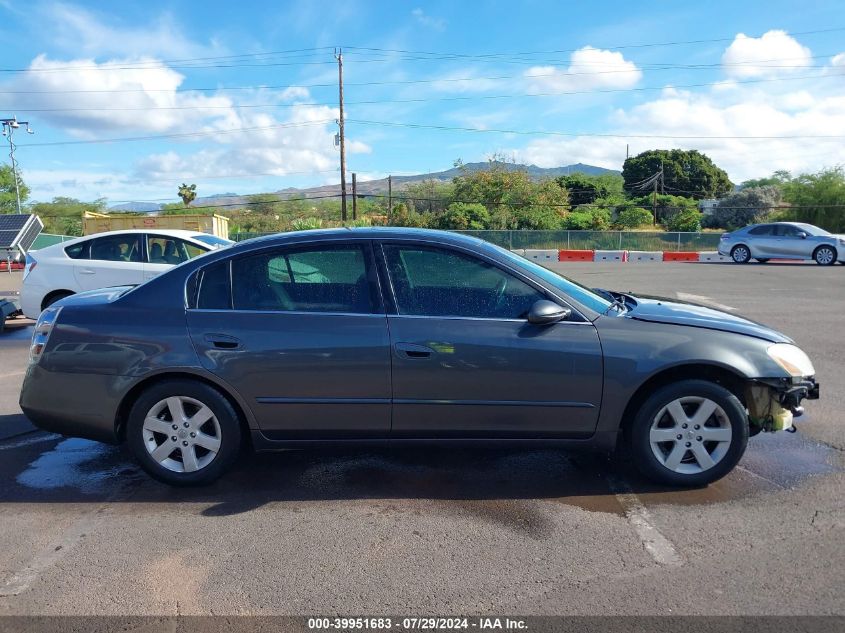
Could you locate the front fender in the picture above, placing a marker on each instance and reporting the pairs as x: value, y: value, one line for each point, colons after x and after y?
x: 636, y: 351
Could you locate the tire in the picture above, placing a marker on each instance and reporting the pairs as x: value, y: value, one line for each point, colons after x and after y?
x: 762, y: 260
x: 741, y: 254
x: 682, y: 462
x: 825, y: 255
x: 209, y: 429
x: 50, y: 299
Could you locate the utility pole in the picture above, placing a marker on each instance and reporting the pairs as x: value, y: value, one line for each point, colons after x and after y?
x: 658, y: 178
x: 389, y: 197
x: 354, y: 196
x: 339, y: 56
x: 9, y: 127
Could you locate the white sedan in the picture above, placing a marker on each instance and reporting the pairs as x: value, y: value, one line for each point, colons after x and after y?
x: 116, y: 258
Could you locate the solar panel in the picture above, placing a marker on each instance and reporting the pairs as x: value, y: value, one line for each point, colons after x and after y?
x: 19, y: 230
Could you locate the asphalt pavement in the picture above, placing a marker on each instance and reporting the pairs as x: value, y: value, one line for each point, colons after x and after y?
x: 447, y: 531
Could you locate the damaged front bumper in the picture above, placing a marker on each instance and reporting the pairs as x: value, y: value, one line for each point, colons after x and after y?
x: 773, y: 403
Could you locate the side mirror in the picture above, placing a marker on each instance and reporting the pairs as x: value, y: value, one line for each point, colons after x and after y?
x: 802, y: 235
x: 544, y: 312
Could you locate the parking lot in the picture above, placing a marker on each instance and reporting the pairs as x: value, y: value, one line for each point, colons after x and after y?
x: 448, y: 530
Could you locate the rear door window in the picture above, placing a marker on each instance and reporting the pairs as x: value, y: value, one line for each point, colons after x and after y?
x: 116, y: 248
x: 760, y: 231
x: 320, y: 278
x: 78, y: 251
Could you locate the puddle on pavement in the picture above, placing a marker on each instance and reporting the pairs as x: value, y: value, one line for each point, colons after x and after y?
x: 775, y: 461
x: 89, y: 467
x: 495, y: 484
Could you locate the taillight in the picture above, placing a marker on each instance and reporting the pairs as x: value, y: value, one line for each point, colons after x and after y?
x: 29, y: 266
x: 41, y: 332
x: 725, y: 236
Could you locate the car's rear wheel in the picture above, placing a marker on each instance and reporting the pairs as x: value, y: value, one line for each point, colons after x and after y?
x: 183, y: 433
x: 741, y: 254
x: 689, y: 433
x: 825, y: 255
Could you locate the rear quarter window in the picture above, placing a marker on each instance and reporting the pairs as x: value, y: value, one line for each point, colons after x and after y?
x: 78, y: 251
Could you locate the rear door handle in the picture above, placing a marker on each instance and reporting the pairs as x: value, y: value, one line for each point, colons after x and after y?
x: 88, y: 271
x: 222, y: 341
x: 414, y: 351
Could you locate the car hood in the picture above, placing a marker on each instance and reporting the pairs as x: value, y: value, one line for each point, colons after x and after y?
x: 672, y: 311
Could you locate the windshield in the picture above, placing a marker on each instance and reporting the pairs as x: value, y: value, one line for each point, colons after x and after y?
x: 579, y: 293
x: 212, y: 240
x: 811, y: 229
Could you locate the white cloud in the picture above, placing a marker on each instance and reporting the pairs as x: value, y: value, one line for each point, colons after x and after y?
x: 84, y: 32
x: 85, y: 98
x: 751, y: 112
x: 774, y: 53
x: 302, y: 143
x: 589, y: 69
x: 437, y: 24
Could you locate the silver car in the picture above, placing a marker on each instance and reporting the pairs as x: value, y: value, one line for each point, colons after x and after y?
x: 783, y: 240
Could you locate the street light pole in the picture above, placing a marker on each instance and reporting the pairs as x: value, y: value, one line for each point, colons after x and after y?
x: 9, y: 127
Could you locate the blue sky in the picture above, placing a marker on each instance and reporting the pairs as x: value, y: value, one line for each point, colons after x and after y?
x: 241, y: 97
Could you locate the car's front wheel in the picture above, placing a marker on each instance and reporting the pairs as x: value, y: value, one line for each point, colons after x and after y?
x: 183, y: 433
x: 741, y: 254
x: 689, y: 433
x: 825, y: 255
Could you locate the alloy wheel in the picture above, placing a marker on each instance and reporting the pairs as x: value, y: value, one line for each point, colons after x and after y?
x: 825, y: 256
x: 182, y: 434
x: 741, y: 254
x: 690, y: 435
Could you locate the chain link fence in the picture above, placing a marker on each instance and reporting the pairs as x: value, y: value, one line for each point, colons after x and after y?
x: 590, y: 240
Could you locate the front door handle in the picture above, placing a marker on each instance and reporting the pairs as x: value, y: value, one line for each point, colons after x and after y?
x: 88, y: 271
x: 414, y: 351
x: 222, y: 341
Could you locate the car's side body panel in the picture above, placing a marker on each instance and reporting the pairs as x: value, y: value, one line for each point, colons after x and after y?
x: 576, y: 378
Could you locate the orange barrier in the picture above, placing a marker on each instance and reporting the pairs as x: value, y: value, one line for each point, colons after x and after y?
x: 682, y: 256
x: 569, y: 255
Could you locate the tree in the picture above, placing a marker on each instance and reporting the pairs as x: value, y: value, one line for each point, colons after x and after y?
x: 633, y: 218
x: 513, y: 200
x: 464, y: 216
x: 188, y: 193
x: 747, y: 206
x: 585, y: 189
x: 8, y: 200
x: 776, y: 179
x: 265, y: 203
x: 818, y: 199
x: 687, y: 173
x: 685, y: 220
x: 63, y: 215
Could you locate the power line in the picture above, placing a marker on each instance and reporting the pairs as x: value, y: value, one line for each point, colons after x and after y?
x: 572, y: 50
x: 417, y: 100
x: 588, y: 134
x: 153, y: 137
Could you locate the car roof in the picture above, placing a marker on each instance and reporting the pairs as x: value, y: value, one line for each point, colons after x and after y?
x: 368, y: 232
x: 180, y: 233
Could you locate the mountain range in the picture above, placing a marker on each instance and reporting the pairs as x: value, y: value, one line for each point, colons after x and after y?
x: 379, y: 186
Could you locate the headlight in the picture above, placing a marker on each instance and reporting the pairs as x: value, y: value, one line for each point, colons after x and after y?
x: 41, y: 332
x: 842, y: 242
x: 792, y: 358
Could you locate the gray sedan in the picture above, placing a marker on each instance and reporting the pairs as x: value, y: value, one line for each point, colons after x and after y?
x: 783, y: 240
x: 402, y: 335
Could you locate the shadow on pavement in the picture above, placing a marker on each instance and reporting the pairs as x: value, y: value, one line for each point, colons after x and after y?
x: 60, y: 470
